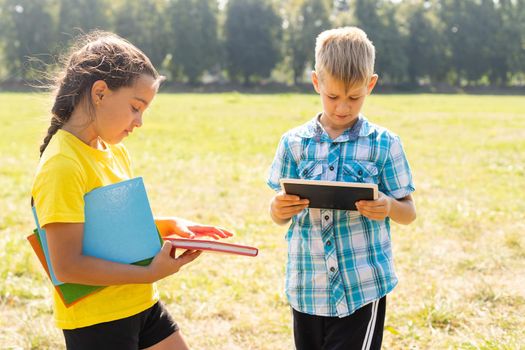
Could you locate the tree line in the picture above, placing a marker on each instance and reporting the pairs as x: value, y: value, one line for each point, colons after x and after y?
x: 457, y: 42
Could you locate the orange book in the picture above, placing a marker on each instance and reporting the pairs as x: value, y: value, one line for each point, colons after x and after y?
x: 70, y: 293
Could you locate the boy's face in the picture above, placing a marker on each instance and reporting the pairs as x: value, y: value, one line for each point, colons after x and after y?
x: 341, y: 106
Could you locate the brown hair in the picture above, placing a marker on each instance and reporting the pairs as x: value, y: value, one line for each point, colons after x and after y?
x: 346, y: 54
x: 95, y: 56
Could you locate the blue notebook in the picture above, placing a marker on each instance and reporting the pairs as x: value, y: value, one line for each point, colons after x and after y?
x: 119, y: 225
x: 43, y: 240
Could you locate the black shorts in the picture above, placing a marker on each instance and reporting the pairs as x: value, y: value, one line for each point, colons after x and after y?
x: 139, y: 331
x: 361, y: 330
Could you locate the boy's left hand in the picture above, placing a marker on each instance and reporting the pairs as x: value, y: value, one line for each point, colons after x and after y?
x: 377, y: 209
x: 189, y: 229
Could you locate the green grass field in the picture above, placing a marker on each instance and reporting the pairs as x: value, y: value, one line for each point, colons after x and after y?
x: 461, y: 264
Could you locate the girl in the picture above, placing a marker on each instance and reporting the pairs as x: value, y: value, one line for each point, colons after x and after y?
x: 105, y: 86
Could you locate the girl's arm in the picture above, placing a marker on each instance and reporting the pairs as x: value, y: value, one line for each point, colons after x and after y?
x: 65, y: 248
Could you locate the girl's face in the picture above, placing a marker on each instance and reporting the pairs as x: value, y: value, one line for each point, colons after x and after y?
x: 120, y: 111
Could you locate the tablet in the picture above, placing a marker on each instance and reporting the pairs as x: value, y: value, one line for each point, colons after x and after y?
x: 330, y: 194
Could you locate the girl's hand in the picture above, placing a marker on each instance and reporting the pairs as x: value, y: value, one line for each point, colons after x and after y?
x: 189, y: 229
x: 165, y: 264
x: 377, y: 209
x: 284, y: 206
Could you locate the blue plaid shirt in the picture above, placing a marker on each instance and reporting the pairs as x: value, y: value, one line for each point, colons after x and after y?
x: 338, y: 260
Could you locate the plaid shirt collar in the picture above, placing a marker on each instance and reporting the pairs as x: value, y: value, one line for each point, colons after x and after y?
x: 314, y: 129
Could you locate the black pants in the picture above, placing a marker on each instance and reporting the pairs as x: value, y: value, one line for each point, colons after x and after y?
x: 362, y: 330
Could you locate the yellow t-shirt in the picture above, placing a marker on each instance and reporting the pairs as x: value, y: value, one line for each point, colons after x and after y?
x: 67, y: 170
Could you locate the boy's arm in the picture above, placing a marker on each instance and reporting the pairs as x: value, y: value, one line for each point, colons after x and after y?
x: 283, y: 206
x: 402, y: 211
x: 395, y: 185
x: 278, y: 221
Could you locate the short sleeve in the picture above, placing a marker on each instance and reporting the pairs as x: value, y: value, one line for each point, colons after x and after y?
x: 58, y: 191
x: 283, y: 165
x: 396, y: 177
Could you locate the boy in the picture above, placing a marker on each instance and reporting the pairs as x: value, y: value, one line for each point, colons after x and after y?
x: 340, y: 265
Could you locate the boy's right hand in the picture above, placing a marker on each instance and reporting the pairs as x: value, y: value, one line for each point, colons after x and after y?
x: 164, y: 264
x: 283, y: 206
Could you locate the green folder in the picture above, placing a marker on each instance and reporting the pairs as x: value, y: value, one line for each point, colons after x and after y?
x: 70, y: 293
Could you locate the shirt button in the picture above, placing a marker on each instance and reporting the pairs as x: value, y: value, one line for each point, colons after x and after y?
x: 332, y: 269
x: 331, y: 168
x: 326, y: 217
x: 328, y: 243
x: 360, y: 172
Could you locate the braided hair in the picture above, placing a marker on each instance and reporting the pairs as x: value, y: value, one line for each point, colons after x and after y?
x: 95, y: 56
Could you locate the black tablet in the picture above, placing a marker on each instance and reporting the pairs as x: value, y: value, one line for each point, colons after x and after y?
x: 330, y: 194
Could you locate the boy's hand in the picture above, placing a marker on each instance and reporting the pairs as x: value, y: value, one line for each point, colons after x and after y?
x: 284, y: 206
x: 377, y: 209
x: 189, y: 229
x: 164, y: 264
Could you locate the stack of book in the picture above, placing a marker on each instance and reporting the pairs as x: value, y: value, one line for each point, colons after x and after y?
x: 119, y: 226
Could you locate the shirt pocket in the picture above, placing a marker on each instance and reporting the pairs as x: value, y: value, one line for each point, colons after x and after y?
x: 310, y: 170
x: 360, y: 171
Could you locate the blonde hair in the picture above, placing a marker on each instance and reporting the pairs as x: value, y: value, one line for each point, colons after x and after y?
x: 346, y: 54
